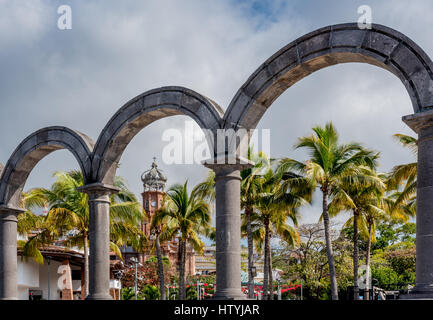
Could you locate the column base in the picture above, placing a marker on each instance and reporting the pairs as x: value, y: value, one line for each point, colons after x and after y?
x: 229, y: 295
x: 99, y: 296
x: 416, y: 296
x: 420, y: 293
x: 8, y: 299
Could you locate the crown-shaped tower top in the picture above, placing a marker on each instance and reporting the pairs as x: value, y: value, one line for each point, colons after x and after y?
x: 154, y: 179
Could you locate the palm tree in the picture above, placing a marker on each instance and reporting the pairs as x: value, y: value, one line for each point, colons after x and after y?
x: 28, y: 223
x: 156, y: 232
x: 387, y: 208
x: 161, y: 231
x: 405, y: 174
x: 276, y: 202
x: 328, y: 164
x: 362, y: 198
x: 369, y: 220
x: 189, y: 217
x: 251, y: 179
x: 68, y: 217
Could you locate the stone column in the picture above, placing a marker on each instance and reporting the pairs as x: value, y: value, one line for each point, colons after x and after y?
x: 422, y: 123
x: 228, y: 228
x: 8, y: 253
x: 99, y: 238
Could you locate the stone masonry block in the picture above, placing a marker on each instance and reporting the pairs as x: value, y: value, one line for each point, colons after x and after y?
x: 317, y: 43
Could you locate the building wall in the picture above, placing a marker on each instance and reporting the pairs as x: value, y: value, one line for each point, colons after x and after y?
x: 51, y: 270
x: 33, y: 276
x: 28, y: 277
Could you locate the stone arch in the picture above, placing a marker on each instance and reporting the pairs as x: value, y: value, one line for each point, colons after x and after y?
x: 141, y: 111
x: 35, y: 147
x: 380, y: 46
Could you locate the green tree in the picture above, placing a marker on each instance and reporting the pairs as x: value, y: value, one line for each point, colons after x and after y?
x: 329, y: 163
x: 189, y: 217
x: 380, y: 218
x: 362, y: 197
x: 161, y: 233
x: 308, y: 261
x: 150, y: 292
x: 250, y: 186
x: 403, y: 177
x: 278, y: 200
x: 394, y: 267
x: 129, y: 294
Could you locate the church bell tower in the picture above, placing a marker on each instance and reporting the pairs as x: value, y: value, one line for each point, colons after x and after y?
x: 154, y: 181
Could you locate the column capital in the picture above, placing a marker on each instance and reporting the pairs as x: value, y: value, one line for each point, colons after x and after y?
x: 8, y: 211
x: 420, y: 120
x: 226, y: 162
x: 98, y: 189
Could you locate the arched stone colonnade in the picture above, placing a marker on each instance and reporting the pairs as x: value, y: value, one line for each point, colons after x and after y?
x: 380, y: 46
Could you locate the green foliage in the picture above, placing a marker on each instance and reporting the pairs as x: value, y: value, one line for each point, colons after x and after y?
x: 384, y: 276
x: 68, y: 215
x: 389, y: 233
x: 309, y: 262
x: 403, y: 177
x: 202, y: 279
x: 191, y: 293
x: 129, y: 294
x: 394, y: 267
x: 150, y: 292
x: 386, y: 236
x: 402, y: 260
x: 342, y: 172
x: 154, y: 259
x: 407, y: 232
x: 187, y: 215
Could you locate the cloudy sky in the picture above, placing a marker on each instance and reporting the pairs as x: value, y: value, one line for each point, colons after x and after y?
x: 118, y: 49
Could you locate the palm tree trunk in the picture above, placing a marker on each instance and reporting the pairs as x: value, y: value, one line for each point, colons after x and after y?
x: 266, y: 264
x: 367, y: 262
x: 355, y: 255
x: 182, y: 291
x: 86, y: 265
x: 271, y: 278
x: 160, y: 268
x: 250, y: 254
x: 184, y: 267
x: 329, y: 251
x: 179, y: 255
